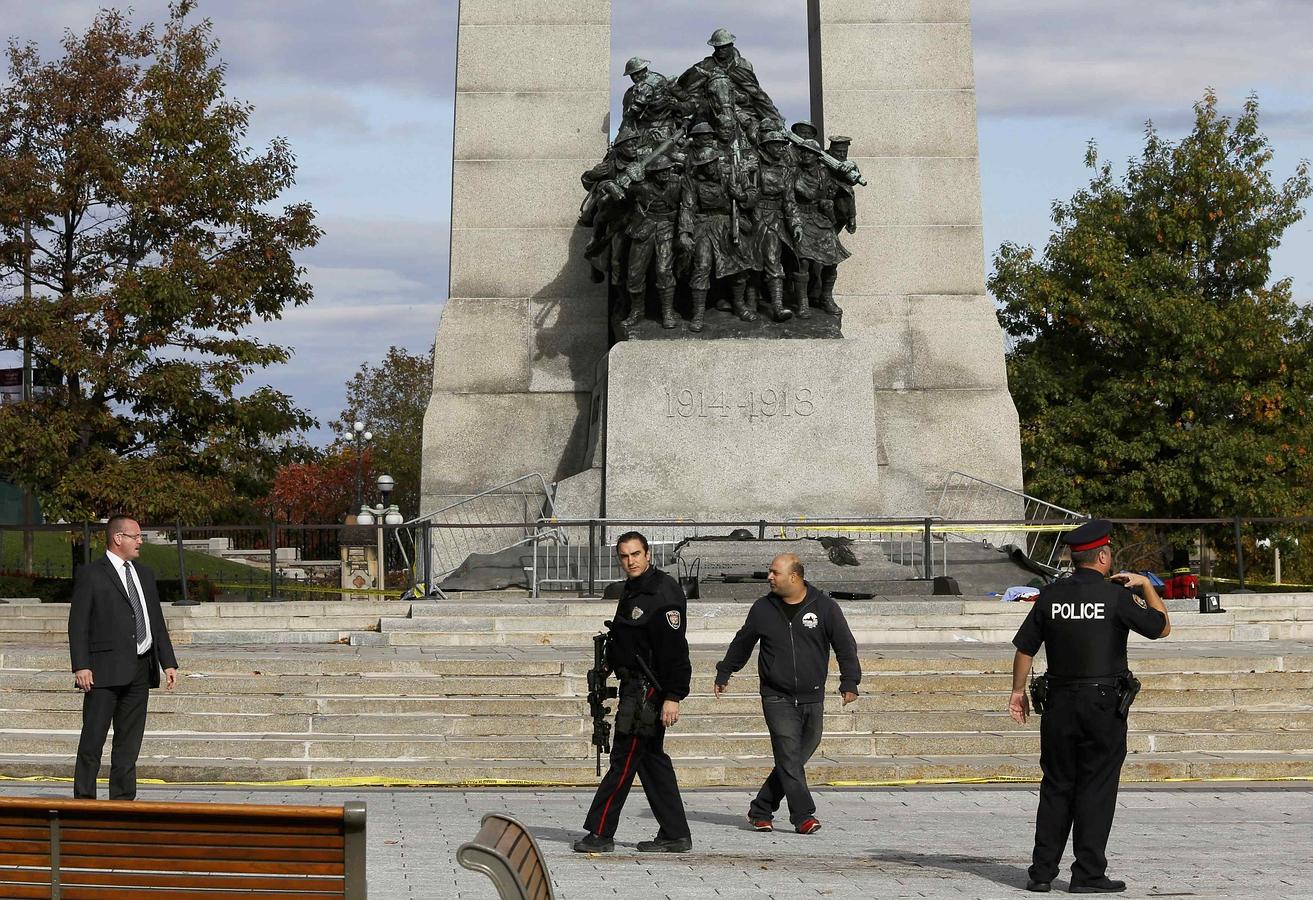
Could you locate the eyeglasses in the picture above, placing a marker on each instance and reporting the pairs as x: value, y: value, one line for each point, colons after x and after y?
x: 131, y: 537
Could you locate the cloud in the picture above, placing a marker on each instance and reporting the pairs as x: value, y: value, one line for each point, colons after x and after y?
x: 408, y: 45
x: 1129, y: 60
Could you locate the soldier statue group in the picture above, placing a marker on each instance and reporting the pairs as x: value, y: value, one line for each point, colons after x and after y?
x: 705, y: 194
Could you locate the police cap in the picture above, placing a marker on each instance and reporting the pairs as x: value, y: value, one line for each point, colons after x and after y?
x: 1090, y: 536
x: 841, y: 139
x: 721, y: 37
x: 637, y: 64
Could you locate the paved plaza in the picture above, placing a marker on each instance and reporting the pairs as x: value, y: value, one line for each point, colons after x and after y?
x: 1250, y: 841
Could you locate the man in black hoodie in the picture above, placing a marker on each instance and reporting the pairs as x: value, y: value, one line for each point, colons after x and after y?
x: 648, y: 651
x: 797, y: 625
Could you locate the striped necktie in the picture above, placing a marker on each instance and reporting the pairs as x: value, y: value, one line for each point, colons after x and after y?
x: 138, y: 611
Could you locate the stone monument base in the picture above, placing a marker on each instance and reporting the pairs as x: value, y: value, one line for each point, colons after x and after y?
x: 738, y: 429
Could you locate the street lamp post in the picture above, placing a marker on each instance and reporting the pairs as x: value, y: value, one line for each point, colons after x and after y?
x: 359, y: 439
x: 381, y: 515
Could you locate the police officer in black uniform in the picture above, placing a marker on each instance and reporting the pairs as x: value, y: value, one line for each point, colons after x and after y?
x: 1084, y: 621
x: 648, y: 651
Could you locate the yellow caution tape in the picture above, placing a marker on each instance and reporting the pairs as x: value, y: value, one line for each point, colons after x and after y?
x: 1249, y: 581
x: 384, y: 781
x: 302, y: 588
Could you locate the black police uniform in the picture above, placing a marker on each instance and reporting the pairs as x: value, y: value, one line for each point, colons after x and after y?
x: 650, y: 623
x: 1084, y: 621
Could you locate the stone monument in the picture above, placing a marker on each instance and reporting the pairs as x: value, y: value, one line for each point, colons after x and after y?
x: 803, y: 328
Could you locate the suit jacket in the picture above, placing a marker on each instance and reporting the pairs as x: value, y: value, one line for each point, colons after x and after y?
x: 102, y: 626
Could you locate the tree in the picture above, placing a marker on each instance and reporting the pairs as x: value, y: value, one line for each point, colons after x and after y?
x: 1155, y: 370
x: 146, y: 230
x: 391, y: 398
x: 318, y: 492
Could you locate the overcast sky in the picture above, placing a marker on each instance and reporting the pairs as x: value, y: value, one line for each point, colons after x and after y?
x: 364, y: 93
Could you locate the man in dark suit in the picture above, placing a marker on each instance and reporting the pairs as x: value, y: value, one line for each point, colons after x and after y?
x: 118, y: 642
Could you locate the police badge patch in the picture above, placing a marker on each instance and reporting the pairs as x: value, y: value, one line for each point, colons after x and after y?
x: 636, y: 613
x: 672, y: 616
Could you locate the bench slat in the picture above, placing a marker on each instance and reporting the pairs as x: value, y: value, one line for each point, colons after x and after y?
x: 25, y: 891
x: 164, y: 812
x: 96, y: 893
x: 162, y: 850
x: 266, y: 867
x: 321, y: 885
x: 200, y: 838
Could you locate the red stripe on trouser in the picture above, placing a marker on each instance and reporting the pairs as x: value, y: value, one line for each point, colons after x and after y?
x: 624, y: 773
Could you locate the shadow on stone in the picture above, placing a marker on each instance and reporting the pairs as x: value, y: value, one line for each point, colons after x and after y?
x: 983, y: 867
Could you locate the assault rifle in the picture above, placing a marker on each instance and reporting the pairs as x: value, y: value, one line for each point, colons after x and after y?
x: 598, y: 694
x: 615, y: 188
x: 845, y: 169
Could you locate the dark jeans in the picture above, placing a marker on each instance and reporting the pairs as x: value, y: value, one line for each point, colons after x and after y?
x: 795, y: 733
x: 124, y: 706
x: 1082, y: 747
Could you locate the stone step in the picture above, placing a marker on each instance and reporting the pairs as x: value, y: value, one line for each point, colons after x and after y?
x: 276, y: 747
x: 703, y: 716
x: 738, y: 703
x: 746, y: 772
x: 721, y: 638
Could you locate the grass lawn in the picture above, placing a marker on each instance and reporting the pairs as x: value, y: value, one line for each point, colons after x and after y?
x: 52, y: 556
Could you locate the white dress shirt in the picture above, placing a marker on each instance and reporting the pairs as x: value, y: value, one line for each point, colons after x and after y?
x: 118, y: 563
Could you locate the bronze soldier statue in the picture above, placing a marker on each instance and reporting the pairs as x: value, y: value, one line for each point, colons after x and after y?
x: 650, y: 106
x: 651, y: 233
x: 819, y: 247
x: 845, y: 216
x: 726, y: 60
x: 776, y: 222
x: 607, y: 206
x: 705, y: 208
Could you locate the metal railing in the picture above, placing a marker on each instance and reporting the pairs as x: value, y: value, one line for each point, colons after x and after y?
x: 966, y: 497
x: 578, y: 554
x: 436, y: 544
x: 278, y: 560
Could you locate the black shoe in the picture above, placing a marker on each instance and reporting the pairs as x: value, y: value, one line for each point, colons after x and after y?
x: 1039, y: 887
x: 1101, y: 885
x: 594, y: 843
x: 661, y: 844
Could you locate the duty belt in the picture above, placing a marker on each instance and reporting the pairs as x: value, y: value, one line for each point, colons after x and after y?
x: 1106, y: 681
x: 770, y: 204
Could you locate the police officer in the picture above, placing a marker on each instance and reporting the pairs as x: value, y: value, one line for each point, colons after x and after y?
x: 1083, y: 621
x: 648, y: 651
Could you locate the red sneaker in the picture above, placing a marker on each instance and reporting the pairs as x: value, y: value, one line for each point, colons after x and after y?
x: 760, y: 824
x: 809, y: 825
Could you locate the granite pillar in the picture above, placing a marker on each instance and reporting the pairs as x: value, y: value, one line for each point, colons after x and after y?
x: 524, y: 327
x: 897, y: 76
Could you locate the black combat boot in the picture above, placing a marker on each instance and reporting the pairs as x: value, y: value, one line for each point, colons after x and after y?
x: 828, y: 277
x: 699, y: 308
x: 668, y: 318
x: 740, y: 307
x: 800, y: 292
x: 775, y: 290
x: 637, y: 301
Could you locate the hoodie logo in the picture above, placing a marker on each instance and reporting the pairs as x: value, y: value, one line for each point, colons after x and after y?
x: 636, y: 613
x: 809, y: 620
x: 672, y: 616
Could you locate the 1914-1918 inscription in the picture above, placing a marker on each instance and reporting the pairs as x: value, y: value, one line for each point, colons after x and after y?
x: 753, y: 404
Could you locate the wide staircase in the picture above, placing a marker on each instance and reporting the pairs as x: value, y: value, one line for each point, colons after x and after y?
x: 489, y: 689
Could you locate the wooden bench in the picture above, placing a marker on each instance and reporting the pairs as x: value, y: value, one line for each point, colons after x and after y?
x: 116, y: 850
x: 506, y: 852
